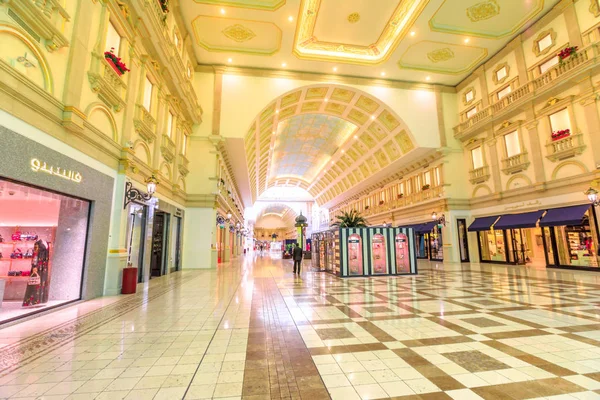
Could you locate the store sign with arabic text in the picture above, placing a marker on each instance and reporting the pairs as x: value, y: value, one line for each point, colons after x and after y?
x: 41, y: 166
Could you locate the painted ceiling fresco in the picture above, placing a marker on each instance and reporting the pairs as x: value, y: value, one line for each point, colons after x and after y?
x: 305, y: 143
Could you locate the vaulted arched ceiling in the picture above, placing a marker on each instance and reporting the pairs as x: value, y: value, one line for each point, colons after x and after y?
x: 325, y: 139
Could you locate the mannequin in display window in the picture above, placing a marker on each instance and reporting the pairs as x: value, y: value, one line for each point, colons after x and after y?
x: 37, y: 286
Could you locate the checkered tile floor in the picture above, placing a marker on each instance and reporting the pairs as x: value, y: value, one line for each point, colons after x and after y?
x: 252, y: 330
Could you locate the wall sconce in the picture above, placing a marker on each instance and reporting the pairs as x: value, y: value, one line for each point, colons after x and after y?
x: 592, y: 195
x: 441, y: 220
x: 133, y: 194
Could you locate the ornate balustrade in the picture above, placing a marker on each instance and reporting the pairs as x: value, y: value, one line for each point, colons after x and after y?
x: 167, y: 148
x: 479, y: 175
x: 45, y: 19
x: 583, y: 59
x: 514, y: 164
x: 567, y: 147
x: 145, y: 124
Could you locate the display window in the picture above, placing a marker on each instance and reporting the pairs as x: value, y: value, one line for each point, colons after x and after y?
x: 402, y: 256
x: 436, y: 244
x: 379, y: 251
x: 355, y: 260
x: 43, y: 237
x: 492, y: 246
x: 422, y: 244
x: 575, y: 245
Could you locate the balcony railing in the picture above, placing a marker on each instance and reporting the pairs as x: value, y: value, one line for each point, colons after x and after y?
x: 46, y: 18
x: 404, y: 201
x: 111, y: 88
x: 167, y: 148
x: 583, y: 58
x: 145, y: 124
x: 479, y: 175
x: 565, y: 148
x: 514, y: 164
x: 183, y: 165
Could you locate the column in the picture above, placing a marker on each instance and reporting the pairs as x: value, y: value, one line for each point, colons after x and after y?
x: 200, y: 250
x: 227, y: 256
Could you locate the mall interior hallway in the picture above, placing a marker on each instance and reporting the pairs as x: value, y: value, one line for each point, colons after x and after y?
x: 252, y: 330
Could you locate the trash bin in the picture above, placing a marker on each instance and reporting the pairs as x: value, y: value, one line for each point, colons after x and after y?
x: 129, y: 280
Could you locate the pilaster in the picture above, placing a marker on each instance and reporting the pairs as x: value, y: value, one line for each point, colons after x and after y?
x: 495, y: 165
x: 535, y: 152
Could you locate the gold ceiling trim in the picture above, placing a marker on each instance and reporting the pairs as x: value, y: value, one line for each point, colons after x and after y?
x: 307, y: 45
x: 250, y: 4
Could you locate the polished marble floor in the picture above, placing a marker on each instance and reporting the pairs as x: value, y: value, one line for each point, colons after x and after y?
x: 252, y: 330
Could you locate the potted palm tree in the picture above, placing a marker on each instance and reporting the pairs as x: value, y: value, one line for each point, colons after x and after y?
x: 350, y: 219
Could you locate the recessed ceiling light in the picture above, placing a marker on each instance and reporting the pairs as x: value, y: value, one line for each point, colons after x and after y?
x: 413, y: 33
x: 334, y: 69
x: 382, y: 74
x: 273, y: 132
x: 283, y: 65
x: 372, y: 117
x: 355, y: 137
x: 290, y: 18
x: 427, y: 78
x: 222, y: 11
x: 467, y: 40
x: 343, y: 151
x: 229, y: 60
x: 326, y: 100
x: 276, y: 111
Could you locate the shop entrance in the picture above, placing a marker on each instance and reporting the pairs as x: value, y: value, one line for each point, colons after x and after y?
x: 176, y: 244
x: 463, y: 243
x: 158, y: 229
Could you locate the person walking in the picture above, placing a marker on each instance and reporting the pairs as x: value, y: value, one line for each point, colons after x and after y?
x: 297, y: 256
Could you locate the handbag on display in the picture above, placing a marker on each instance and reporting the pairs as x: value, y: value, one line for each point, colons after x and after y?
x: 1, y: 239
x: 16, y: 254
x: 28, y: 254
x: 12, y: 273
x: 16, y: 236
x: 34, y: 280
x: 25, y: 273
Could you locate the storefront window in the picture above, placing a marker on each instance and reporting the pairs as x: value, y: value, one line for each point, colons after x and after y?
x: 43, y: 237
x: 549, y: 244
x: 422, y: 245
x: 492, y: 246
x: 379, y: 259
x: 402, y: 256
x: 355, y: 264
x: 436, y: 244
x: 576, y: 246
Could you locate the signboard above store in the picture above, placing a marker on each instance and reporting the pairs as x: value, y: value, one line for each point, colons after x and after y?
x: 39, y: 166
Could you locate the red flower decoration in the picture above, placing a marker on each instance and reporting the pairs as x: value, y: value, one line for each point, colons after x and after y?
x: 110, y: 55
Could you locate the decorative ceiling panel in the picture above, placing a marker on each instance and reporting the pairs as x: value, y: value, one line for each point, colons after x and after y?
x: 236, y: 35
x: 305, y: 143
x: 443, y: 58
x: 347, y: 37
x: 327, y: 30
x: 484, y: 18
